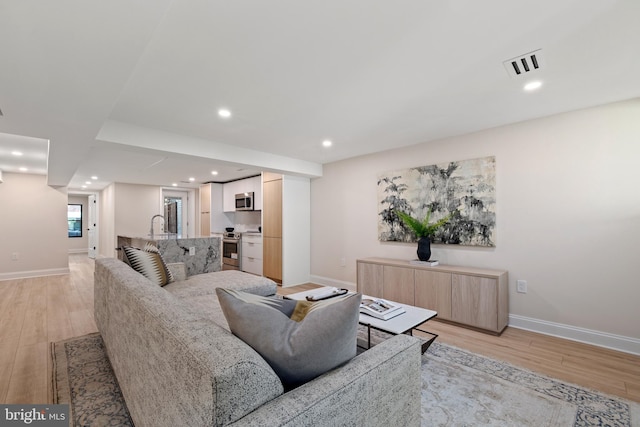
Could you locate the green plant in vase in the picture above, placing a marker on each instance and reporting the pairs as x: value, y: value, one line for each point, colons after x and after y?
x: 423, y: 231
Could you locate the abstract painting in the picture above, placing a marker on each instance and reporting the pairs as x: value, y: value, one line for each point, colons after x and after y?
x: 465, y: 189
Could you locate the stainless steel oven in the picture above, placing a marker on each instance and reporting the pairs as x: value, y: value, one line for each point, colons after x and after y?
x: 231, y: 247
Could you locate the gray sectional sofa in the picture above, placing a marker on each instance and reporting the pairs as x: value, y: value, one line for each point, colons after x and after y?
x: 178, y: 365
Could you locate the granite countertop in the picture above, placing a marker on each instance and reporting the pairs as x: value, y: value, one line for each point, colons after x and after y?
x: 165, y: 236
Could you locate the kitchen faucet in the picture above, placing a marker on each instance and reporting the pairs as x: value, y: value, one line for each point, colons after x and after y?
x: 152, y: 218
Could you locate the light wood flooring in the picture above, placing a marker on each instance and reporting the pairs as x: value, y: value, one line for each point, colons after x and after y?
x: 37, y: 311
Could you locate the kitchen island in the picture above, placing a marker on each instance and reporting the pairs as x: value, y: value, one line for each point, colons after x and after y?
x: 199, y: 254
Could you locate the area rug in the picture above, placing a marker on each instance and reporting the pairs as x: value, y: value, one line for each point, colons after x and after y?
x: 458, y: 389
x: 82, y: 377
x: 465, y: 389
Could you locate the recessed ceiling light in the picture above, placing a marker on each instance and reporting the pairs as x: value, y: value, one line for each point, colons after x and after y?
x: 224, y: 113
x: 23, y: 169
x: 88, y: 182
x: 94, y: 177
x: 327, y: 143
x: 84, y: 186
x: 531, y: 86
x: 192, y: 179
x: 174, y: 184
x: 17, y: 153
x: 214, y: 172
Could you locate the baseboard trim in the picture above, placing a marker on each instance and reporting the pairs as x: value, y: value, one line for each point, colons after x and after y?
x: 326, y: 281
x: 78, y: 251
x: 33, y: 273
x: 573, y: 333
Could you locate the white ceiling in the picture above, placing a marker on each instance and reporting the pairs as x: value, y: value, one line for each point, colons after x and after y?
x: 129, y: 91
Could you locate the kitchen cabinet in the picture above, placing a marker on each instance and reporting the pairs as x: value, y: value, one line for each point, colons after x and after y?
x: 252, y: 253
x: 272, y: 226
x: 229, y: 191
x: 272, y: 208
x: 205, y: 210
x: 256, y: 184
x: 286, y: 228
x: 272, y: 258
x: 247, y: 185
x: 474, y: 297
x: 212, y: 216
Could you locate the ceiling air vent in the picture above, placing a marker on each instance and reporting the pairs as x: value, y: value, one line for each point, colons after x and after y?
x: 524, y: 65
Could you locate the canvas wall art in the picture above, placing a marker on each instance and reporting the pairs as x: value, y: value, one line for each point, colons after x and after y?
x: 464, y: 189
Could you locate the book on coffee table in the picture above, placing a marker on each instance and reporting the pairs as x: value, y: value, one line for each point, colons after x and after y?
x: 380, y: 308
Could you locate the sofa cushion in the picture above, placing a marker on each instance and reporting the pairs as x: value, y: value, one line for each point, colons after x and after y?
x: 205, y: 284
x: 299, y: 339
x: 148, y: 262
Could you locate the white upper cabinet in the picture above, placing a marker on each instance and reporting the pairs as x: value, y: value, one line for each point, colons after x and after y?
x: 230, y: 189
x: 257, y: 192
x: 229, y: 196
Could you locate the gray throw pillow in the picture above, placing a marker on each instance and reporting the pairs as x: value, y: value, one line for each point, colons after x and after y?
x: 299, y: 339
x: 149, y: 263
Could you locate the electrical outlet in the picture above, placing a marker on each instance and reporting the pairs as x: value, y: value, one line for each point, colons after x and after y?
x: 192, y: 250
x: 521, y: 286
x: 15, y: 256
x: 343, y: 262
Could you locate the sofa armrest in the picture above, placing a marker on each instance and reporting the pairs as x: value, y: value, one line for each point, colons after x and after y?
x: 380, y: 387
x: 179, y: 270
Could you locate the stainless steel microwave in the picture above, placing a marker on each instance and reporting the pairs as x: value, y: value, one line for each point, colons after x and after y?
x: 244, y: 201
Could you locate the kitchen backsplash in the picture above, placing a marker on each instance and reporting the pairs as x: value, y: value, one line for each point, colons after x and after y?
x: 248, y: 220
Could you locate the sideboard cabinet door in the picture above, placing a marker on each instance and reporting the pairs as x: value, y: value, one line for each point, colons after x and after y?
x: 399, y: 284
x: 370, y: 277
x: 433, y: 292
x: 474, y: 301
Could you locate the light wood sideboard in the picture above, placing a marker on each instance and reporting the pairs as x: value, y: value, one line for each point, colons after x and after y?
x: 469, y: 296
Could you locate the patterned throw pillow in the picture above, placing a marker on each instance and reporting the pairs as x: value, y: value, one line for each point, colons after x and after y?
x: 299, y: 339
x: 148, y: 262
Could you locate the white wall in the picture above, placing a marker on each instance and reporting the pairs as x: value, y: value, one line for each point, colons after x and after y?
x: 106, y: 227
x: 568, y: 219
x: 80, y: 244
x: 33, y: 224
x: 296, y: 231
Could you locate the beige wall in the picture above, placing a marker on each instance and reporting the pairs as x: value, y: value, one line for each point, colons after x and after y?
x: 126, y: 210
x: 134, y: 207
x: 568, y: 218
x: 33, y: 224
x: 80, y: 244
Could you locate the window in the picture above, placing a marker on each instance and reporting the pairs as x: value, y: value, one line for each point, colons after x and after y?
x: 74, y: 220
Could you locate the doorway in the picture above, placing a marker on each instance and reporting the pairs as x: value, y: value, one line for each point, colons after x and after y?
x: 83, y: 232
x: 176, y: 212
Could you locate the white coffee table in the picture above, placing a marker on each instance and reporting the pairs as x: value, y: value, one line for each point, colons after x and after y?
x: 404, y: 323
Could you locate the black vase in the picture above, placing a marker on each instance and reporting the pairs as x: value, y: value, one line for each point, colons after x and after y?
x: 424, y: 249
